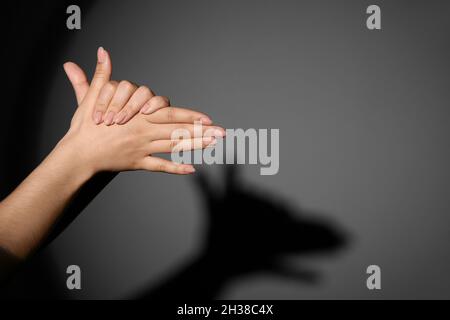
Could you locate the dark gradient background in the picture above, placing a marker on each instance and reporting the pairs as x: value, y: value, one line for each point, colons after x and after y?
x: 364, y: 137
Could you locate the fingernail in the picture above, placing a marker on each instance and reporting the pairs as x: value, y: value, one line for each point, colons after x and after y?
x: 219, y: 133
x: 119, y: 119
x: 101, y: 55
x: 109, y: 118
x: 205, y: 120
x: 189, y: 169
x: 98, y: 117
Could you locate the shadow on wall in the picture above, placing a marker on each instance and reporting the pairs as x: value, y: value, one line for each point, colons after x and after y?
x: 34, y: 40
x: 247, y: 233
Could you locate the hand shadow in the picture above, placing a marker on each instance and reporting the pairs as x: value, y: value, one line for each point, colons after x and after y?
x: 247, y: 232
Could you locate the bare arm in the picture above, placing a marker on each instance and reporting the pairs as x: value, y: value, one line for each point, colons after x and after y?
x: 27, y: 215
x: 29, y: 212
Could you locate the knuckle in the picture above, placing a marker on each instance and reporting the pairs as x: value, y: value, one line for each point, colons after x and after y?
x: 101, y: 105
x: 146, y: 105
x: 135, y: 165
x: 188, y: 127
x: 126, y: 85
x: 161, y: 167
x: 161, y: 101
x: 131, y: 107
x: 173, y: 144
x: 100, y: 72
x: 146, y: 92
x: 170, y: 114
x: 109, y: 87
x: 81, y: 82
x: 114, y: 107
x: 166, y: 101
x: 99, y: 76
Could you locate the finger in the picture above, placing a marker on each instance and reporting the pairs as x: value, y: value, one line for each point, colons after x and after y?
x: 104, y: 98
x: 168, y: 146
x: 155, y: 103
x: 101, y: 76
x: 78, y: 79
x: 141, y: 96
x: 162, y: 165
x: 178, y: 115
x: 176, y: 131
x: 124, y: 91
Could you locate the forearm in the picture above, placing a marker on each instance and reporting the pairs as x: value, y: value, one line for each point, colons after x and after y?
x: 27, y: 215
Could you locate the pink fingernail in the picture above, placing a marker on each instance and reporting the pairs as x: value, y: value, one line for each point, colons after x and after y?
x: 205, y: 120
x: 98, y: 117
x: 119, y: 119
x: 109, y: 118
x: 189, y: 169
x: 219, y: 133
x: 101, y: 55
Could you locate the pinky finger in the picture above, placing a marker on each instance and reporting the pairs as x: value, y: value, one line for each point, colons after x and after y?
x: 162, y: 165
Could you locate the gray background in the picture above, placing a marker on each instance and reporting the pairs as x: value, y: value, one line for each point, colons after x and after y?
x: 363, y: 118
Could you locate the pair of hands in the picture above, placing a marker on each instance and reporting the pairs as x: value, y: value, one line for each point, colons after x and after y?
x: 116, y: 127
x: 119, y: 126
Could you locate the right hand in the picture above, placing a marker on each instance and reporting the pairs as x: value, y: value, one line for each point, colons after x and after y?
x: 129, y: 146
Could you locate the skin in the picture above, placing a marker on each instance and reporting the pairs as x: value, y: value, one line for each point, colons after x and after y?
x: 88, y: 147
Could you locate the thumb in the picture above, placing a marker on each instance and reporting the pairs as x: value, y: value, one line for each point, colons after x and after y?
x: 78, y: 79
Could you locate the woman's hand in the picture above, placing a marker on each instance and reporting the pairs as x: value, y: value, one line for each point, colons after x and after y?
x: 129, y: 146
x: 118, y: 102
x: 28, y: 213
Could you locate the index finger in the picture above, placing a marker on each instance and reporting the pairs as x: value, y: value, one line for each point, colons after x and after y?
x: 101, y: 76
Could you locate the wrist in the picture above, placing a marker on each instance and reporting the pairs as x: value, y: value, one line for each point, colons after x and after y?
x: 71, y: 155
